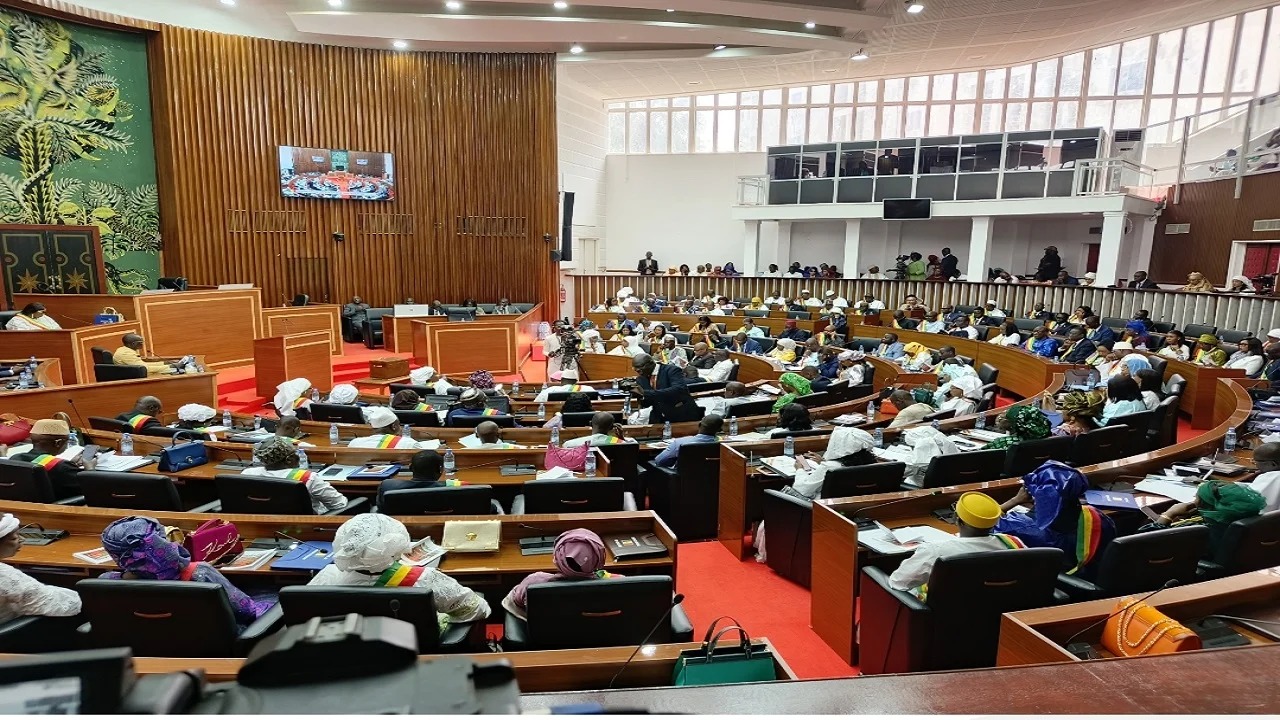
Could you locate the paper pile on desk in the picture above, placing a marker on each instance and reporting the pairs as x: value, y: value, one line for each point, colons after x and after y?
x: 1175, y: 489
x: 901, y: 540
x: 555, y: 473
x: 893, y: 453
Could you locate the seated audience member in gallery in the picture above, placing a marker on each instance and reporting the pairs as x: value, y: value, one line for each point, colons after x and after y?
x: 604, y: 431
x: 910, y: 412
x: 708, y: 430
x: 144, y: 414
x: 386, y: 431
x: 720, y: 371
x: 128, y: 355
x: 32, y: 317
x: 279, y: 459
x: 48, y: 440
x: 20, y: 594
x: 293, y: 399
x: 426, y: 466
x: 976, y: 514
x: 578, y: 555
x: 366, y: 553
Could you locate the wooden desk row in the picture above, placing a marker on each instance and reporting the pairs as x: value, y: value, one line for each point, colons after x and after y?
x: 48, y: 370
x: 109, y: 399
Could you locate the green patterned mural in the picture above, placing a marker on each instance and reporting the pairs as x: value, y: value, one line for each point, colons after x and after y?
x: 76, y: 139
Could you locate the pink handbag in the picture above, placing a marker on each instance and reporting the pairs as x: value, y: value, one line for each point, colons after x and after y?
x: 568, y: 458
x: 213, y: 540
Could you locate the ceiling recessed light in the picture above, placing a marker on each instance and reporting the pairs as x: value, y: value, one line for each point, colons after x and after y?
x: 829, y: 70
x: 560, y: 5
x: 860, y: 55
x: 228, y: 2
x: 695, y: 82
x: 671, y: 10
x: 576, y: 49
x: 453, y: 5
x: 721, y: 47
x: 399, y: 44
x: 335, y: 3
x: 811, y: 25
x: 914, y: 7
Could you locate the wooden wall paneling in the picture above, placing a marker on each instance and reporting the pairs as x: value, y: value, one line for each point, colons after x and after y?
x: 1217, y: 219
x: 218, y: 324
x: 471, y: 135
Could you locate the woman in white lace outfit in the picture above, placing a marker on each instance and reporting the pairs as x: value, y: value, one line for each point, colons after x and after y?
x: 366, y: 552
x: 20, y: 594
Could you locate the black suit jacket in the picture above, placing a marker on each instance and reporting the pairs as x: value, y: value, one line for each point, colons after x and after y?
x: 1080, y: 352
x: 647, y: 267
x: 669, y: 399
x: 1147, y: 284
x: 950, y: 266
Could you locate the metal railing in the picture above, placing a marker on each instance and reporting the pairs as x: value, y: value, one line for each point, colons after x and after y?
x: 753, y: 189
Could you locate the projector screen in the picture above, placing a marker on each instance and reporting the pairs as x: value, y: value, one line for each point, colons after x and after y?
x: 908, y: 209
x: 325, y: 174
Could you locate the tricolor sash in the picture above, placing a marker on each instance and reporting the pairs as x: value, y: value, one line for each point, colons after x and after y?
x: 488, y: 412
x: 615, y: 440
x: 1030, y: 344
x: 300, y: 402
x: 137, y: 421
x: 388, y: 441
x: 422, y: 407
x: 1088, y: 536
x: 399, y: 575
x: 300, y: 475
x: 48, y: 462
x: 1009, y: 541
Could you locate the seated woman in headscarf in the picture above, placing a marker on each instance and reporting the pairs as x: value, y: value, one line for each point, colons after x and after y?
x: 916, y: 358
x: 1135, y: 333
x: 197, y: 418
x: 1196, y: 282
x: 1057, y: 519
x: 948, y: 370
x: 784, y: 352
x: 279, y: 458
x: 576, y: 402
x: 630, y: 347
x: 343, y: 394
x: 578, y: 555
x: 757, y: 304
x: 1022, y: 423
x: 853, y: 367
x: 793, y: 386
x: 1217, y: 505
x: 792, y: 418
x: 730, y: 270
x: 1240, y: 285
x: 22, y: 595
x: 592, y: 342
x: 409, y: 400
x: 367, y: 551
x: 926, y: 444
x: 141, y: 550
x: 963, y: 396
x: 1078, y: 411
x: 293, y: 399
x: 482, y: 380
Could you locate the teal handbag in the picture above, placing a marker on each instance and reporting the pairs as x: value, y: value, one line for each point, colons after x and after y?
x: 715, y: 665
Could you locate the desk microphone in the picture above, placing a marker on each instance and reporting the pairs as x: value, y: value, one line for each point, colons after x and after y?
x: 1083, y: 653
x: 76, y: 410
x: 679, y: 598
x: 859, y: 511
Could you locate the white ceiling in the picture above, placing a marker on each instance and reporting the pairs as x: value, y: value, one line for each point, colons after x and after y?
x: 635, y: 48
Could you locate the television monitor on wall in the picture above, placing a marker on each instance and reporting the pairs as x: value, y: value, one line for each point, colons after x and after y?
x: 908, y: 209
x: 325, y: 174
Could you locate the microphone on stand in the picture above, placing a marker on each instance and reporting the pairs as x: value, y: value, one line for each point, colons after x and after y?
x: 679, y: 598
x: 76, y: 410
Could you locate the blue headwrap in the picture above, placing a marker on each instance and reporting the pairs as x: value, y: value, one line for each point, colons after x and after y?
x: 139, y: 546
x: 1051, y: 484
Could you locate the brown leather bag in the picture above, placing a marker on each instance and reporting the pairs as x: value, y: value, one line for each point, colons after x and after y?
x: 1139, y: 629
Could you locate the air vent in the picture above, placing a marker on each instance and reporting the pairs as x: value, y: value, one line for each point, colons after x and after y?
x: 1177, y: 229
x: 1128, y: 135
x: 1266, y: 225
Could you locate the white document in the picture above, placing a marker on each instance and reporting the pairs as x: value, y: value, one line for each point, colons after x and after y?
x: 782, y: 464
x: 748, y: 437
x: 555, y: 473
x: 72, y: 453
x: 112, y: 462
x: 901, y: 540
x: 430, y: 444
x: 470, y: 441
x: 983, y: 435
x: 893, y: 453
x: 1174, y: 489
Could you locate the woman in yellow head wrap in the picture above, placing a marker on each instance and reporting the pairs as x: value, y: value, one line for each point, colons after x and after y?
x: 756, y: 304
x: 1209, y: 352
x: 916, y: 357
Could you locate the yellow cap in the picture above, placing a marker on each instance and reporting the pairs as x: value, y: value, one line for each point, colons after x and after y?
x: 978, y: 510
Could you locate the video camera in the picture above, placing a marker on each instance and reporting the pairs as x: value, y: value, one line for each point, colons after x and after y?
x: 900, y: 269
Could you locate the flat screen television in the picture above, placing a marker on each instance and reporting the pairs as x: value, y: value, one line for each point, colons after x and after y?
x: 325, y: 174
x: 908, y: 209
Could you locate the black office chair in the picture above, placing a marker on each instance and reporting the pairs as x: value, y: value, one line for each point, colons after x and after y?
x: 873, y: 479
x: 1247, y: 545
x: 467, y: 500
x: 562, y: 395
x: 1162, y: 327
x: 1158, y: 363
x: 371, y: 327
x: 798, y: 315
x: 1116, y: 324
x: 168, y: 618
x: 767, y: 344
x: 330, y: 413
x: 33, y: 634
x: 939, y: 416
x: 583, y: 419
x: 1167, y: 434
x: 180, y: 434
x: 414, y: 605
x: 418, y: 418
x: 1101, y: 445
x: 109, y: 424
x: 988, y: 374
x: 112, y: 373
x: 551, y: 497
x: 1026, y: 325
x: 102, y: 356
x: 264, y: 495
x: 987, y: 402
x: 471, y: 421
x: 962, y: 469
x: 779, y: 435
x: 1140, y: 425
x: 25, y: 482
x: 866, y: 345
x: 751, y: 409
x: 614, y: 612
x: 133, y: 491
x: 1141, y: 563
x: 958, y: 625
x: 301, y: 300
x: 422, y: 390
x: 789, y: 545
x: 813, y: 400
x: 624, y: 462
x: 1195, y: 330
x: 1030, y: 454
x: 687, y: 498
x: 1233, y: 337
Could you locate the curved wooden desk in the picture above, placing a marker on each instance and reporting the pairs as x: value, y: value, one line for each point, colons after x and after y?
x: 497, y: 343
x: 48, y: 371
x: 112, y: 398
x: 72, y: 347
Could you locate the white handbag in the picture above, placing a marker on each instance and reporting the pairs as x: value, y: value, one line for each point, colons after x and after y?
x: 472, y: 535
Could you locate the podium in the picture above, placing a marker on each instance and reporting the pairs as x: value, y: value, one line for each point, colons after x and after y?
x: 286, y: 357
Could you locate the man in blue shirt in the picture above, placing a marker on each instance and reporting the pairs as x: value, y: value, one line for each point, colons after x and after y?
x: 1041, y: 343
x: 890, y: 348
x: 708, y: 429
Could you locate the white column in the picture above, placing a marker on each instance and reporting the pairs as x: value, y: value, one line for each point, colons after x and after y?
x: 852, y: 245
x: 1144, y: 234
x: 979, y: 249
x: 784, y: 245
x: 750, y: 247
x: 1109, y: 252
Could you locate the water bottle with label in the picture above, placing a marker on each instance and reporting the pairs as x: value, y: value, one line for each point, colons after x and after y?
x: 333, y: 433
x: 936, y: 425
x: 406, y: 431
x: 789, y: 446
x: 1229, y: 441
x: 315, y: 395
x: 542, y: 411
x: 515, y: 388
x: 257, y: 422
x: 73, y: 440
x: 666, y: 431
x: 615, y: 383
x: 980, y: 423
x: 450, y: 464
x: 226, y: 419
x: 871, y: 410
x: 879, y: 437
x: 626, y: 407
x: 303, y: 461
x: 32, y: 364
x: 555, y: 436
x: 733, y: 426
x: 126, y: 444
x: 24, y: 378
x: 589, y: 469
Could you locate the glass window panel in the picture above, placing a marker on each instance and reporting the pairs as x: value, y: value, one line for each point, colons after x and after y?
x: 1208, y: 112
x: 637, y: 132
x: 1068, y: 115
x: 1097, y: 113
x: 891, y: 123
x: 1249, y: 51
x: 939, y: 119
x: 841, y: 124
x: 943, y: 86
x: 747, y: 99
x: 797, y: 96
x: 748, y: 130
x: 918, y: 88
x: 915, y: 121
x: 864, y: 126
x: 770, y: 127
x: 706, y: 101
x: 726, y: 131
x: 1071, y: 75
x: 962, y: 119
x: 638, y: 104
x: 704, y: 131
x: 967, y: 86
x: 1020, y: 81
x: 868, y: 91
x: 773, y: 97
x: 1184, y: 108
x: 617, y: 132
x: 1047, y: 78
x: 795, y: 126
x: 1041, y: 116
x: 844, y: 93
x: 993, y: 84
x: 1015, y: 118
x: 818, y: 119
x: 658, y: 103
x: 820, y: 94
x: 727, y: 99
x: 1102, y: 71
x: 1168, y: 53
x: 1128, y: 115
x: 680, y: 131
x: 1158, y: 111
x: 893, y: 89
x: 992, y: 118
x: 1133, y: 67
x: 1193, y: 46
x: 680, y: 102
x: 657, y: 132
x: 617, y: 106
x: 1220, y: 45
x: 1269, y: 77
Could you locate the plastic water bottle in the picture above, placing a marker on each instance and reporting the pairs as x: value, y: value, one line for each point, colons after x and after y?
x: 871, y: 410
x: 450, y: 463
x: 1229, y: 440
x: 615, y: 384
x: 666, y: 431
x: 789, y: 447
x: 879, y: 437
x: 936, y: 425
x: 315, y: 395
x: 32, y: 364
x: 626, y: 406
x: 515, y: 388
x: 24, y: 378
x: 544, y: 387
x: 126, y: 444
x: 333, y: 433
x: 555, y: 436
x: 257, y: 422
x: 733, y: 426
x: 980, y: 423
x: 226, y: 419
x: 589, y: 469
x: 406, y: 431
x: 542, y: 411
x: 303, y: 462
x: 73, y: 440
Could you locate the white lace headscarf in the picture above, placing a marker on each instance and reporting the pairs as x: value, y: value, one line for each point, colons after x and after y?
x: 846, y: 441
x: 195, y: 412
x: 379, y: 417
x: 343, y: 394
x: 971, y: 386
x: 370, y: 543
x: 422, y: 375
x: 287, y: 393
x: 927, y: 444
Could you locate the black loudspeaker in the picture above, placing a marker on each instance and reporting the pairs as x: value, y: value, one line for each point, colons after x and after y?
x: 566, y: 228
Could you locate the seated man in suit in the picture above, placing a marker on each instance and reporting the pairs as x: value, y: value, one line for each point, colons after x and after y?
x: 426, y: 467
x: 355, y: 311
x: 128, y: 355
x: 48, y: 440
x: 976, y: 514
x: 1271, y: 368
x: 504, y: 307
x: 902, y: 322
x: 1077, y: 349
x: 662, y: 388
x: 708, y: 430
x: 742, y: 343
x: 890, y: 347
x: 145, y: 413
x: 703, y: 358
x: 279, y: 458
x: 1096, y: 332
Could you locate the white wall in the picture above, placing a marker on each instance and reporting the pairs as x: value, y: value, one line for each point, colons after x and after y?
x: 814, y: 243
x: 676, y: 206
x: 582, y: 127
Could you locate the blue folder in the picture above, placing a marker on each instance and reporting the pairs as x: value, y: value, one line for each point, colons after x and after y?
x: 1110, y: 499
x: 309, y: 555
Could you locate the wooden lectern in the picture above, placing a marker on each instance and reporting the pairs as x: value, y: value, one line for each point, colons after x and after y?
x: 286, y: 357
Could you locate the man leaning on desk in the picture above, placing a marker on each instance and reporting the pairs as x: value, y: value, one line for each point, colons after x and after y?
x: 129, y: 355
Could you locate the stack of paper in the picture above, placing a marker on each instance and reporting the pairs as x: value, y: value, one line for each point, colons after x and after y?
x: 747, y: 437
x: 781, y: 464
x: 901, y: 540
x: 893, y: 453
x: 1175, y: 489
x: 250, y: 560
x: 424, y: 552
x: 849, y: 419
x: 983, y: 435
x: 111, y: 462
